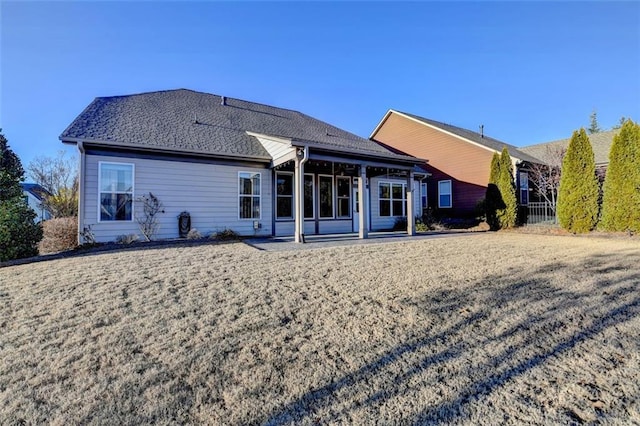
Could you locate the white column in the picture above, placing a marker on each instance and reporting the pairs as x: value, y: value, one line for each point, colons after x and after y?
x: 411, y: 220
x: 363, y: 231
x: 298, y: 199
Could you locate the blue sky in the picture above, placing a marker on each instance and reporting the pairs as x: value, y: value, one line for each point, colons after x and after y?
x: 529, y: 71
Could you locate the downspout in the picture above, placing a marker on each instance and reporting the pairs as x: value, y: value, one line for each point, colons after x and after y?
x: 300, y: 186
x: 81, y: 190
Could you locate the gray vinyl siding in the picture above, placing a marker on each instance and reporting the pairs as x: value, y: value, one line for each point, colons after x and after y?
x: 209, y: 192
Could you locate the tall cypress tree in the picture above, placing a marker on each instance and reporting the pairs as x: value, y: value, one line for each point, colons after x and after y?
x: 506, y: 184
x: 19, y: 234
x: 578, y: 193
x: 621, y: 202
x: 493, y: 199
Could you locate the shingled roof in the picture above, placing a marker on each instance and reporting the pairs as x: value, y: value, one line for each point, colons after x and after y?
x: 600, y: 142
x: 491, y: 143
x: 194, y: 122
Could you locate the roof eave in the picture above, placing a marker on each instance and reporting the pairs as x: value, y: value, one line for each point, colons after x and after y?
x: 111, y: 144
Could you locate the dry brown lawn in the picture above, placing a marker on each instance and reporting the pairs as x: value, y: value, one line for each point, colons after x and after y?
x: 489, y: 328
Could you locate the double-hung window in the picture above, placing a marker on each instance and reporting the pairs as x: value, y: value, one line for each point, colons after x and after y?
x: 249, y: 195
x: 284, y: 196
x: 343, y: 192
x: 444, y: 194
x: 392, y: 199
x: 116, y: 192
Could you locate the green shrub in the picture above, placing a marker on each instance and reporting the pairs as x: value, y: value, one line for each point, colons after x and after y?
x: 578, y: 193
x: 508, y: 214
x: 19, y: 234
x: 621, y: 200
x: 60, y: 234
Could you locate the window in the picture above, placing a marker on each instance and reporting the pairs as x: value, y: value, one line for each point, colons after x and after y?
x: 423, y: 195
x: 524, y: 188
x: 392, y: 199
x: 284, y: 196
x: 325, y: 193
x: 249, y: 195
x: 444, y: 194
x: 308, y: 197
x: 116, y: 192
x: 343, y: 192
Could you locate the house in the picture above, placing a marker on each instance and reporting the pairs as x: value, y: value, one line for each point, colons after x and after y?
x: 459, y: 161
x: 34, y: 194
x: 233, y: 164
x: 600, y: 142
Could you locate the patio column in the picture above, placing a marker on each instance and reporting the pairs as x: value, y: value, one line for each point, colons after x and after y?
x: 411, y: 220
x: 298, y: 195
x: 363, y: 229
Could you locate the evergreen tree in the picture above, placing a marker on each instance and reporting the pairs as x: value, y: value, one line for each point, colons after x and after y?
x: 621, y: 202
x: 19, y: 234
x: 578, y: 193
x: 593, y: 124
x: 493, y: 199
x: 508, y: 214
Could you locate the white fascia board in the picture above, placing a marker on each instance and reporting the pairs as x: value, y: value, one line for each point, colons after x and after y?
x: 380, y: 123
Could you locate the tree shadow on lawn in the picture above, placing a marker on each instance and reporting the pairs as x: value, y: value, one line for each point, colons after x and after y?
x: 550, y: 321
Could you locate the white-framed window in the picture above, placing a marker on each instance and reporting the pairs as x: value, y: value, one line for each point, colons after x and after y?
x: 325, y: 196
x: 343, y: 195
x: 423, y: 195
x: 309, y: 197
x: 444, y: 194
x: 392, y: 198
x: 524, y: 188
x: 284, y: 195
x: 115, y: 187
x: 249, y: 195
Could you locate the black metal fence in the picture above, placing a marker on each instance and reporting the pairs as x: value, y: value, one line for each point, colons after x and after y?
x: 542, y: 213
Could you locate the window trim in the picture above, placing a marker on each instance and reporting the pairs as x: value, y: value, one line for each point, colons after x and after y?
x: 450, y: 193
x: 333, y: 199
x: 293, y: 196
x: 133, y: 187
x: 252, y: 195
x: 348, y: 197
x: 391, y: 199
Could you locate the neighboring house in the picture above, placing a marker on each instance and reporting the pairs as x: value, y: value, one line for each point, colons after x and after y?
x: 233, y: 164
x: 600, y: 142
x: 459, y: 160
x: 34, y: 195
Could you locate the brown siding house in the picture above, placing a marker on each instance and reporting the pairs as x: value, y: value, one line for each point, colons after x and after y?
x: 459, y: 159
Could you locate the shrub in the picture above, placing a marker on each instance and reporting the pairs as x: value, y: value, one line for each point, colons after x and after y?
x: 493, y: 200
x: 60, y: 234
x: 194, y: 234
x: 621, y: 201
x: 19, y: 234
x: 578, y: 194
x: 225, y: 235
x: 148, y: 218
x: 506, y: 184
x: 400, y: 224
x: 127, y: 239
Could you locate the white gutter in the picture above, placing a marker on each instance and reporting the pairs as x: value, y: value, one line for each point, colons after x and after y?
x: 300, y: 162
